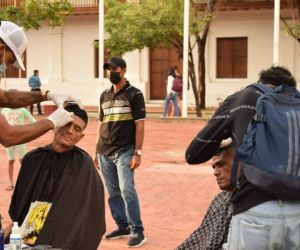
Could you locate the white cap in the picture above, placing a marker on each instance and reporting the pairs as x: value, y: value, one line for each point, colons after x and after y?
x: 15, y: 229
x: 15, y: 38
x: 226, y: 142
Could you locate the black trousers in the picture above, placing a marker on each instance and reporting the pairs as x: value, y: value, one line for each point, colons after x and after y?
x: 38, y: 104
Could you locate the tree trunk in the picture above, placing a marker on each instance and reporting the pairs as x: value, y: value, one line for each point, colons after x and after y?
x: 201, y: 43
x: 200, y: 90
x: 201, y: 39
x: 201, y: 70
x: 192, y: 77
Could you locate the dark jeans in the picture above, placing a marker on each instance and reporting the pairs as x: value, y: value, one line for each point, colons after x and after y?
x: 172, y: 97
x: 38, y: 104
x: 123, y: 200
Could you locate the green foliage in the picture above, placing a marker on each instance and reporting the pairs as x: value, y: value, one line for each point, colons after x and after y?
x: 148, y: 24
x: 33, y: 12
x: 56, y: 11
x: 293, y: 30
x: 198, y: 20
x: 155, y: 23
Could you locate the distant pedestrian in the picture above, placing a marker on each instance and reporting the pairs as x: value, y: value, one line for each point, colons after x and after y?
x: 171, y: 95
x: 35, y: 85
x: 119, y: 150
x: 15, y: 117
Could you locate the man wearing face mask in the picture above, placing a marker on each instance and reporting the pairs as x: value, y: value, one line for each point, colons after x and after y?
x: 119, y: 150
x: 13, y: 43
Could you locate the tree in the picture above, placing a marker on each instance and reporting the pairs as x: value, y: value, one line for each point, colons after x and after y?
x: 200, y: 32
x: 152, y: 22
x: 32, y: 13
x: 293, y: 28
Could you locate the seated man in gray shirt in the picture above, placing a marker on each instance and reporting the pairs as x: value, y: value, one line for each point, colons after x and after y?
x: 213, y: 231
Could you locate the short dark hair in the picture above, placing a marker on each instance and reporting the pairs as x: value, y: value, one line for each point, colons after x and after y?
x: 172, y: 72
x: 81, y: 113
x: 35, y: 71
x: 276, y: 76
x: 220, y: 150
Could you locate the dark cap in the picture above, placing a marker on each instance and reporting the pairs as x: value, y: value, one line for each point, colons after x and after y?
x: 114, y: 62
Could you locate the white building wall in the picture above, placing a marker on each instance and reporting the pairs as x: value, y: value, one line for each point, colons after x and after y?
x: 78, y: 37
x: 79, y: 34
x: 65, y: 58
x: 296, y: 57
x: 258, y: 27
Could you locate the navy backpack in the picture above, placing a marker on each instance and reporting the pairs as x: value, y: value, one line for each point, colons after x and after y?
x: 270, y: 152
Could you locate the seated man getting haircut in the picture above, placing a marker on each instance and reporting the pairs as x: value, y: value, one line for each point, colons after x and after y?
x: 213, y: 231
x: 58, y: 198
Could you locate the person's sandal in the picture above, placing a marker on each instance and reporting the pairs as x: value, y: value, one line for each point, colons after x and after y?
x: 10, y: 188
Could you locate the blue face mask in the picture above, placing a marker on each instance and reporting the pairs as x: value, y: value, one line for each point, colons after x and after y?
x: 3, y: 67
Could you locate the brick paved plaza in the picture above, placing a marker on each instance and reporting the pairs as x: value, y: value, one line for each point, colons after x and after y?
x: 173, y: 195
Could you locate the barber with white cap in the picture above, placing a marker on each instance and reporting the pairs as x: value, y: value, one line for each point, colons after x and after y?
x: 13, y: 43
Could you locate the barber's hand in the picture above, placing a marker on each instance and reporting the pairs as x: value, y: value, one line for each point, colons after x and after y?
x: 135, y: 161
x: 60, y: 117
x: 59, y: 99
x: 7, y: 230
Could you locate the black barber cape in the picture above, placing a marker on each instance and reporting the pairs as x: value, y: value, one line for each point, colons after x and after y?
x: 70, y: 183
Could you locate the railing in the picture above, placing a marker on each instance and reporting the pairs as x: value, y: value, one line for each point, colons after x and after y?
x: 75, y: 3
x: 6, y: 3
x: 91, y: 6
x: 245, y: 4
x: 83, y: 3
x: 233, y: 1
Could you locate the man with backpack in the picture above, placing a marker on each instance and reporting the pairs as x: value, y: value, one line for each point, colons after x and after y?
x: 261, y: 219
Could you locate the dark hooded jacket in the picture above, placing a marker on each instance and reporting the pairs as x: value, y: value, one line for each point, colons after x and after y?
x: 70, y: 182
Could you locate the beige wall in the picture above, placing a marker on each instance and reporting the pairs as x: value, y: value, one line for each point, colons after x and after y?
x: 66, y: 58
x: 258, y: 27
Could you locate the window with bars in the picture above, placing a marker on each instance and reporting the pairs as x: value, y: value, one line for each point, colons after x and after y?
x: 232, y: 54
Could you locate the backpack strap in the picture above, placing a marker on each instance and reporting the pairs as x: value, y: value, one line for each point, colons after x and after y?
x: 258, y: 118
x: 234, y: 170
x: 281, y: 89
x: 286, y: 89
x: 264, y: 89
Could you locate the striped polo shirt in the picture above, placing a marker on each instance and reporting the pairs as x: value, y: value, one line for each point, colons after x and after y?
x: 118, y: 113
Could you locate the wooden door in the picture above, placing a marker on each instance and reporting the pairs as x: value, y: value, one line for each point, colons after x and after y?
x: 161, y: 60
